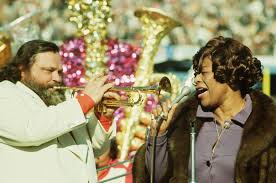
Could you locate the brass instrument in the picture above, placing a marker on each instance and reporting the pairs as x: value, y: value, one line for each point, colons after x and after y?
x: 155, y: 25
x: 92, y: 18
x: 163, y: 86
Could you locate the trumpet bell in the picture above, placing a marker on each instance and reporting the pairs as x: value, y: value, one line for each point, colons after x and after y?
x: 165, y: 85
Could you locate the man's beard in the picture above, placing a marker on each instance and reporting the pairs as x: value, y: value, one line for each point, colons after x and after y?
x: 48, y: 95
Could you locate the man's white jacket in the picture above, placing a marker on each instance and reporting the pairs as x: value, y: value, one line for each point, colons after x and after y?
x: 40, y: 144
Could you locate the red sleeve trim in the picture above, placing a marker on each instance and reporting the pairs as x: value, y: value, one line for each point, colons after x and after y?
x: 85, y: 102
x: 105, y: 121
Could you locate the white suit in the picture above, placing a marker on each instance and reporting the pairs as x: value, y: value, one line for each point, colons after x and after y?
x: 37, y: 144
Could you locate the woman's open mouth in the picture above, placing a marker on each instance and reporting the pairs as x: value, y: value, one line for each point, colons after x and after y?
x: 200, y: 92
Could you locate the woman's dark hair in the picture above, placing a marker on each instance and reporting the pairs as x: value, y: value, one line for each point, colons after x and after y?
x: 25, y: 57
x: 232, y: 63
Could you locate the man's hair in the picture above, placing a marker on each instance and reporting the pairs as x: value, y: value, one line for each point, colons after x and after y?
x: 232, y: 63
x: 25, y: 57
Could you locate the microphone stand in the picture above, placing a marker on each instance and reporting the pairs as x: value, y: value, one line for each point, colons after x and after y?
x: 153, y: 147
x: 192, y: 152
x: 181, y: 98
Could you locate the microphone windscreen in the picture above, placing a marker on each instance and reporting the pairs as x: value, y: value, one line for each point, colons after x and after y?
x: 184, y: 92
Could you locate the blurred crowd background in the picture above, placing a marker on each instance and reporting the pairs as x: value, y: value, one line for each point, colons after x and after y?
x: 251, y: 21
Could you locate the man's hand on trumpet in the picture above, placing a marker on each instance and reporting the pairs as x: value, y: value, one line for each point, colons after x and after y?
x: 106, y: 110
x: 97, y: 87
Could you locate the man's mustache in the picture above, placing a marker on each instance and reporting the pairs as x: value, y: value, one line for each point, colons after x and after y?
x: 54, y: 85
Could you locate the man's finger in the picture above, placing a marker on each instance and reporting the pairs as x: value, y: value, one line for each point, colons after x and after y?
x: 107, y: 86
x: 112, y: 95
x: 102, y: 79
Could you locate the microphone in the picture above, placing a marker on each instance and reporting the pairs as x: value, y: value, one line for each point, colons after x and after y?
x: 185, y: 91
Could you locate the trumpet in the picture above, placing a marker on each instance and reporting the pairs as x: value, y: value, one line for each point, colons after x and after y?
x: 164, y: 86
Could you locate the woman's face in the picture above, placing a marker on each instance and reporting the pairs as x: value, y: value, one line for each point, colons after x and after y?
x: 210, y: 92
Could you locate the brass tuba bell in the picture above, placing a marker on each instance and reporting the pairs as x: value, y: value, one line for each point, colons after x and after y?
x: 155, y: 25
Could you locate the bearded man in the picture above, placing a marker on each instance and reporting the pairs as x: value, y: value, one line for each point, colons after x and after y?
x: 45, y: 138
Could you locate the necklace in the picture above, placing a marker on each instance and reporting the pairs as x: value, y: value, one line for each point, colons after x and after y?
x: 226, y: 125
